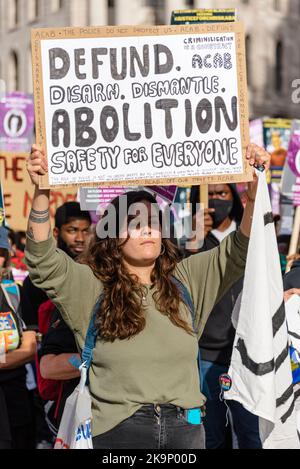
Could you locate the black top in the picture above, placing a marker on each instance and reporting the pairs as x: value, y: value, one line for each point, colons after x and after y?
x: 216, y: 342
x: 292, y: 279
x: 31, y: 299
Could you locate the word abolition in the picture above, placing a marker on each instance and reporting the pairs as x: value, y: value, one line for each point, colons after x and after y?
x: 187, y: 154
x: 89, y: 129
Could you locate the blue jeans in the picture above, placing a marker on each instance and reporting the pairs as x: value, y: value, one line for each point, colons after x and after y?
x: 245, y: 424
x: 153, y: 427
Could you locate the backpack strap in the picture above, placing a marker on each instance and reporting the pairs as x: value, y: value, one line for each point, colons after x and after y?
x: 90, y: 340
x: 91, y: 337
x: 187, y: 299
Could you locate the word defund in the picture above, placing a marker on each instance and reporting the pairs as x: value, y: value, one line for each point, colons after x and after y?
x: 87, y: 63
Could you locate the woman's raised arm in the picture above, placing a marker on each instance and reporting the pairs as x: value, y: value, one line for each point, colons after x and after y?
x: 256, y: 156
x: 39, y: 226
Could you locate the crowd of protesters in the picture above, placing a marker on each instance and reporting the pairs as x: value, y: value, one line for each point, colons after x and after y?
x: 145, y: 373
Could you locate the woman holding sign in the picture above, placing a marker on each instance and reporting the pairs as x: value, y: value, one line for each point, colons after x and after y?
x: 144, y: 378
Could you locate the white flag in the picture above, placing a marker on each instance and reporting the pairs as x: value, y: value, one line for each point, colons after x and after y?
x: 260, y: 367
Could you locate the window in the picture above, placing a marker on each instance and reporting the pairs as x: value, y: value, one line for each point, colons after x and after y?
x: 279, y: 67
x: 56, y: 5
x: 32, y: 9
x: 111, y: 11
x: 277, y: 5
x: 13, y: 72
x: 158, y: 8
x: 13, y: 13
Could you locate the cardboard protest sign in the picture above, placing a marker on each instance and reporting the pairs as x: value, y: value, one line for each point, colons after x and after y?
x: 276, y: 138
x: 16, y: 122
x: 92, y: 198
x: 203, y: 16
x: 293, y: 155
x: 120, y: 106
x: 18, y: 191
x: 291, y: 179
x: 167, y: 193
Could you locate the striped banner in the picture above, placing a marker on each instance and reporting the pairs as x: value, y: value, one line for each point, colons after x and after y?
x: 261, y: 368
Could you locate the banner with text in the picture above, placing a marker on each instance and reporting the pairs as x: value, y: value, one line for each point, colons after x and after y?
x: 16, y: 122
x: 18, y: 191
x: 163, y: 105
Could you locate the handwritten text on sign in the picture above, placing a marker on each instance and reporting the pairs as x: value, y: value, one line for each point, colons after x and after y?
x: 141, y: 108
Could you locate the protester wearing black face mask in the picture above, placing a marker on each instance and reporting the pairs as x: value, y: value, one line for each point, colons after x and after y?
x: 224, y: 214
x: 221, y: 218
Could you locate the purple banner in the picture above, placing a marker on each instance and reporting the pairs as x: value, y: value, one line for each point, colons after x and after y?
x: 16, y: 122
x: 294, y: 153
x: 168, y: 193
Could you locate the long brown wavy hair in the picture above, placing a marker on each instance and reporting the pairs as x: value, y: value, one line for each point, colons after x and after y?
x: 121, y: 313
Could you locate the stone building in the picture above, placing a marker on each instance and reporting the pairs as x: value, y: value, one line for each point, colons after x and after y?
x: 272, y: 38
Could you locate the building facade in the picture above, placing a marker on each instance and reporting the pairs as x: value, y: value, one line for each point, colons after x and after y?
x: 272, y: 39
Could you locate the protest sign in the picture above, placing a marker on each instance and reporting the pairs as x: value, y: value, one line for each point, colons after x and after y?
x: 288, y: 182
x: 16, y: 122
x: 290, y: 173
x: 167, y: 193
x: 277, y: 134
x: 18, y: 191
x: 142, y: 105
x: 293, y: 156
x: 93, y: 198
x: 203, y: 16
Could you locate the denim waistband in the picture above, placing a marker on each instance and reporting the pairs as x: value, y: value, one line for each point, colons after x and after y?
x: 162, y: 407
x: 160, y: 410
